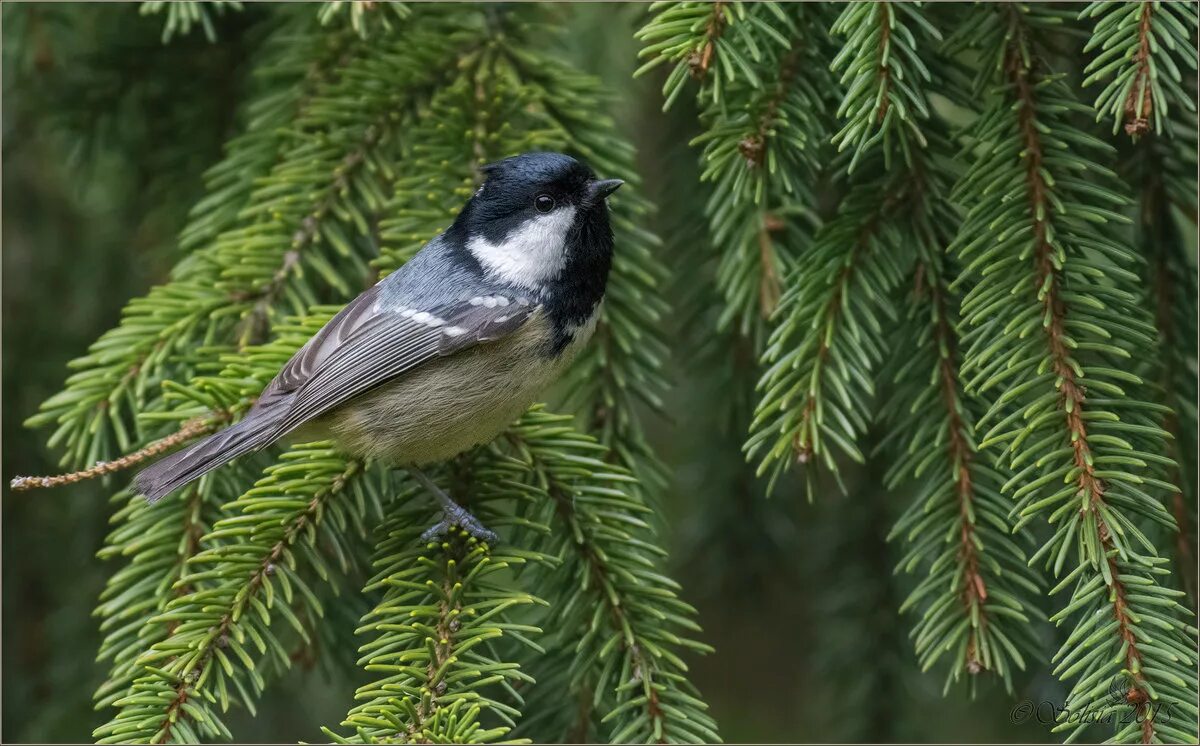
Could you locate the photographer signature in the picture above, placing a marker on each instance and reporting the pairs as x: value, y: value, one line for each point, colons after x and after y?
x: 1118, y: 709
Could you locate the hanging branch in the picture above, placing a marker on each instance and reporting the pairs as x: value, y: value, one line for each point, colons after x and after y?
x: 827, y: 337
x: 1143, y: 47
x: 976, y: 595
x: 762, y: 126
x: 1054, y: 302
x: 1165, y: 182
x: 817, y: 386
x: 883, y: 77
x: 610, y: 604
x: 446, y: 608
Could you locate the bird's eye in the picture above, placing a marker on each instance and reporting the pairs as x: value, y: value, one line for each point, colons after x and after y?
x: 544, y: 203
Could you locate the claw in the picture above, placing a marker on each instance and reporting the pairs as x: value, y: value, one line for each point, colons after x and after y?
x: 459, y: 516
x: 453, y: 514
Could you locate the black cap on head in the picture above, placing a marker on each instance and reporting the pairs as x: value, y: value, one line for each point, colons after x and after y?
x: 514, y: 186
x: 539, y: 166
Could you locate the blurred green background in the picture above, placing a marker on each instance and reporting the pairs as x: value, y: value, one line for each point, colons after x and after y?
x: 106, y: 131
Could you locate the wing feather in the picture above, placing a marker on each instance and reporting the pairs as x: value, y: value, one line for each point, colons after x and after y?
x: 365, y: 346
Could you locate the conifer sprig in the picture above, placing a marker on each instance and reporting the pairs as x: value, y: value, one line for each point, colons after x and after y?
x: 827, y: 337
x: 827, y: 340
x: 883, y: 76
x: 438, y: 675
x: 1144, y: 50
x: 140, y: 633
x: 764, y: 122
x: 611, y: 606
x: 976, y: 595
x: 1056, y: 313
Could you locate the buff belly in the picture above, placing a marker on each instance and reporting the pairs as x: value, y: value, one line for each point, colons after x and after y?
x: 449, y: 405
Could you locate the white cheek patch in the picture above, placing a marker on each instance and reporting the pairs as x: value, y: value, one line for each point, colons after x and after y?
x: 532, y: 254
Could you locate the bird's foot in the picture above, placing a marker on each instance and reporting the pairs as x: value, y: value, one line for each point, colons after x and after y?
x: 456, y: 515
x: 453, y: 514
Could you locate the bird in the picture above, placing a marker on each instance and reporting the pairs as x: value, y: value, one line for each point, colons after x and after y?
x: 443, y: 354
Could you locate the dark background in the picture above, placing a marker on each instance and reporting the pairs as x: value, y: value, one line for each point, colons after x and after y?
x: 105, y: 134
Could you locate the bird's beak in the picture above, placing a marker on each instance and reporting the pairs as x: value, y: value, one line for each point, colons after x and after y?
x: 598, y: 190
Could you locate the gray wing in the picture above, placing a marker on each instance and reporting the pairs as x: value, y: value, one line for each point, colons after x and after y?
x: 367, y: 344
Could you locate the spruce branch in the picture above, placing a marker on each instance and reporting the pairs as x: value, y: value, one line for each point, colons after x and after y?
x: 1144, y: 50
x: 160, y: 539
x: 827, y: 336
x: 883, y: 77
x: 612, y: 606
x: 827, y: 339
x: 976, y: 594
x: 762, y: 130
x: 237, y: 589
x: 713, y: 43
x: 446, y: 609
x: 1054, y: 301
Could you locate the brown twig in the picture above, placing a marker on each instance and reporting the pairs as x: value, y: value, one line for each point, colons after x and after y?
x: 1138, y: 117
x: 701, y: 59
x: 974, y: 591
x: 191, y: 429
x: 885, y: 73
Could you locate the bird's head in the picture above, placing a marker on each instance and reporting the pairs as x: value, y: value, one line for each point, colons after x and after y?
x: 540, y: 219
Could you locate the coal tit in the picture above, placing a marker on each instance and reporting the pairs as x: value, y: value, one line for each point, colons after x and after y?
x: 444, y: 353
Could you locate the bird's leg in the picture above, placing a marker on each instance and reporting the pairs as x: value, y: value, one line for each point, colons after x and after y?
x: 452, y: 514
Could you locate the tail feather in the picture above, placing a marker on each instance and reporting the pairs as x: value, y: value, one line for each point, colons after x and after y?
x: 170, y: 473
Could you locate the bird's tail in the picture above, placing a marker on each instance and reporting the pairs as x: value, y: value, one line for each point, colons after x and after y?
x: 164, y: 476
